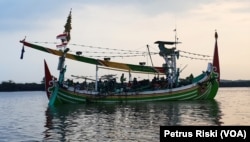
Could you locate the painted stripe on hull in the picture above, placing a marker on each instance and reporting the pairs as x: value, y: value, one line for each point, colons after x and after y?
x: 192, y: 93
x: 162, y: 98
x: 70, y: 98
x: 136, y: 98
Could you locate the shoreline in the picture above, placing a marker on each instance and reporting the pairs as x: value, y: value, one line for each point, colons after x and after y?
x: 11, y: 86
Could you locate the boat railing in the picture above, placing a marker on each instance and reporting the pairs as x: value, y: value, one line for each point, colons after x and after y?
x: 145, y: 86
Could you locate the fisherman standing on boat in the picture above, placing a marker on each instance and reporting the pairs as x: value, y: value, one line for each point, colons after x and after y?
x: 122, y: 79
x: 100, y: 85
x: 135, y: 83
x: 170, y: 82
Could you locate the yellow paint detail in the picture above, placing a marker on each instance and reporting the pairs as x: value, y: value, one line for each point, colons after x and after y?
x: 115, y: 65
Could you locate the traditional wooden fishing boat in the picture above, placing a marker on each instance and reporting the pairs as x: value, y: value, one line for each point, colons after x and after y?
x: 60, y: 91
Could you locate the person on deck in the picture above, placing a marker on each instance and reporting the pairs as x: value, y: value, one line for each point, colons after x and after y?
x: 100, y: 84
x: 122, y: 79
x: 135, y: 83
x: 170, y: 82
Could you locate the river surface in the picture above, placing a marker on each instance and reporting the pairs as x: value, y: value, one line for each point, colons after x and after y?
x: 25, y: 116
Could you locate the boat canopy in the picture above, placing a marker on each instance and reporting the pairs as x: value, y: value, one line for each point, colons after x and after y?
x: 167, y: 42
x: 104, y: 63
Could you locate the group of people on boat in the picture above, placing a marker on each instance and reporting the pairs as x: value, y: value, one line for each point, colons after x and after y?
x: 111, y: 85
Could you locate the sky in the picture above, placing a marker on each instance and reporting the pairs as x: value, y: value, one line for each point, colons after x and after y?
x: 130, y: 25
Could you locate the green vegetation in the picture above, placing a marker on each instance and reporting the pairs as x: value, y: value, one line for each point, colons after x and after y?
x: 235, y: 83
x: 7, y: 86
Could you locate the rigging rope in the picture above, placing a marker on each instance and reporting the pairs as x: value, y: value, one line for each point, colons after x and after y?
x: 129, y: 53
x: 195, y: 53
x: 81, y: 45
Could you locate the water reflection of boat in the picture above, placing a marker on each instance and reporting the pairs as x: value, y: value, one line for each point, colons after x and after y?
x: 126, y: 121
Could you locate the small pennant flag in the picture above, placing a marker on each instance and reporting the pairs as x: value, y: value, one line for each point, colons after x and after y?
x: 65, y: 37
x: 62, y: 45
x: 62, y: 36
x: 68, y: 26
x: 22, y: 52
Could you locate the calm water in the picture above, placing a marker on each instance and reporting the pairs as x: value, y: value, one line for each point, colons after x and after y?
x: 25, y: 116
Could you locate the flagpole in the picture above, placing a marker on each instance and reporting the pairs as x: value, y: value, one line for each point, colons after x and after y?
x: 96, y: 78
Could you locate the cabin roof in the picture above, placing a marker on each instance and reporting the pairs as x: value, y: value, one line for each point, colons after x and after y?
x: 167, y: 42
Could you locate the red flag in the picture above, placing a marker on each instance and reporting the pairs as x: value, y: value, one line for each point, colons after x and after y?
x: 216, y: 62
x: 62, y: 36
x: 62, y: 45
x: 48, y: 79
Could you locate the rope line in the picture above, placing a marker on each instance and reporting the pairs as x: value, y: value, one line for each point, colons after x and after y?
x: 127, y: 53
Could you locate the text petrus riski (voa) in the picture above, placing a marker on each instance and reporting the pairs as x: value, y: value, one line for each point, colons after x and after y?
x: 197, y: 133
x: 206, y: 134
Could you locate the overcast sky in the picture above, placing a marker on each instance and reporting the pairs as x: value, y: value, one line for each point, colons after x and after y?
x: 130, y: 24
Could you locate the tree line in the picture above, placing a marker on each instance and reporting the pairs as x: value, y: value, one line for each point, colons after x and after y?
x: 12, y: 86
x: 237, y: 83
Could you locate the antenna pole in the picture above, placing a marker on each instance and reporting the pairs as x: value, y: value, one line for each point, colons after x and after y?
x: 175, y: 38
x: 150, y: 55
x: 96, y: 78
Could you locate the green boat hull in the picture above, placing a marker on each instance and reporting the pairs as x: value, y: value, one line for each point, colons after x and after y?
x: 203, y: 90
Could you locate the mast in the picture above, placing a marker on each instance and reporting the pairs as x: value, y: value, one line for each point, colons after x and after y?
x: 170, y: 55
x: 65, y: 38
x: 150, y: 56
x: 96, y: 78
x: 175, y: 37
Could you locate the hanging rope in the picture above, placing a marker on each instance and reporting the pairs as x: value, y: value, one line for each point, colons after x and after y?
x: 127, y: 53
x: 205, y: 59
x: 195, y: 54
x: 97, y: 47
